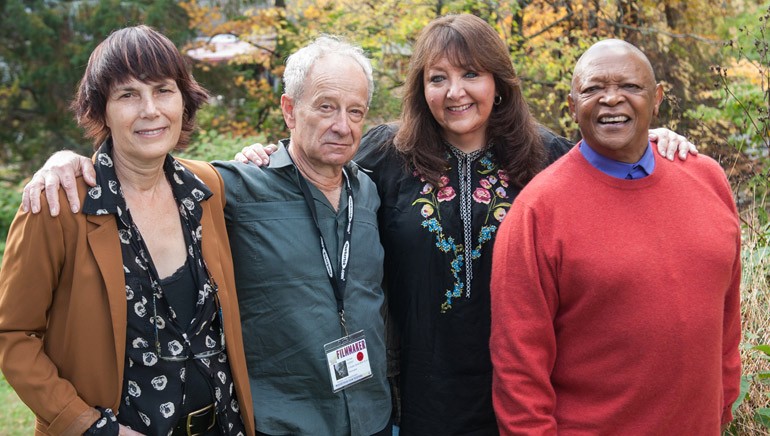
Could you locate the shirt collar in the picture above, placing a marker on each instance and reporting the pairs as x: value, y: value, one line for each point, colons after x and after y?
x: 621, y: 170
x: 281, y: 158
x: 107, y: 198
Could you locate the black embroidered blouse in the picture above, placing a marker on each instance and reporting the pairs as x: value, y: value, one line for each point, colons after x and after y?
x: 438, y: 258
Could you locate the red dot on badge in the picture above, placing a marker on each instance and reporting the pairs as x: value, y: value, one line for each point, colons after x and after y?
x: 360, y: 356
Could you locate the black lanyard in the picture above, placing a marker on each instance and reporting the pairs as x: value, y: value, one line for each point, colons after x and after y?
x: 338, y: 282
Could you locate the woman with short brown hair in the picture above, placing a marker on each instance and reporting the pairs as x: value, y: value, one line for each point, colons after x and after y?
x: 113, y: 321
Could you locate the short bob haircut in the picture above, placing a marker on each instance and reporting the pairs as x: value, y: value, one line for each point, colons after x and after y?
x: 471, y: 43
x: 298, y: 65
x: 140, y: 53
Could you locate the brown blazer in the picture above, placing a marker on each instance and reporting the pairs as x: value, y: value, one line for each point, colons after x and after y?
x: 63, y: 310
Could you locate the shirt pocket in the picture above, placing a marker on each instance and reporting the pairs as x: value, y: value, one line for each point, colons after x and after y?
x: 266, y: 235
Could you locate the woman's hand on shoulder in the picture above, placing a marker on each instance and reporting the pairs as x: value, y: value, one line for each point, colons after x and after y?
x: 669, y: 143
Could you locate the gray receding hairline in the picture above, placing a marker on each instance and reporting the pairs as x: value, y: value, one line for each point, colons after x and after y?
x: 300, y: 62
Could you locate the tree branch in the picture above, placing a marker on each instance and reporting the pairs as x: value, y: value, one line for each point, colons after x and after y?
x: 649, y: 30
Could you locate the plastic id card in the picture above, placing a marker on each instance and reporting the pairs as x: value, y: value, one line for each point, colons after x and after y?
x: 348, y: 360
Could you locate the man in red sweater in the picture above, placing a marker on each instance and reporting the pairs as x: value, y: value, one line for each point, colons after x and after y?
x: 607, y: 317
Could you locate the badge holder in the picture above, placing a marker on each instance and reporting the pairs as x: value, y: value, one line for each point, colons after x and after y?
x: 348, y: 361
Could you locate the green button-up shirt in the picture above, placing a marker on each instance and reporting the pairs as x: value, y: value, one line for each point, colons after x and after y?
x: 287, y: 304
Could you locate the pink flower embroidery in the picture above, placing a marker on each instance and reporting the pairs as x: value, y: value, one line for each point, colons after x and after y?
x: 426, y: 211
x: 482, y: 195
x: 485, y: 184
x: 500, y: 191
x: 446, y: 193
x: 499, y: 213
x: 443, y: 181
x: 503, y: 178
x: 417, y: 174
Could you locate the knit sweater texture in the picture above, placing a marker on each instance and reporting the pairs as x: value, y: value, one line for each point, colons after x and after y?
x: 615, y: 303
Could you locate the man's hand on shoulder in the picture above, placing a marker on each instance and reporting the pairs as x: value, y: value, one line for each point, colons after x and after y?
x: 60, y: 170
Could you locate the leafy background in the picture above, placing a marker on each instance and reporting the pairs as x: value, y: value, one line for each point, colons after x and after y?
x: 711, y: 56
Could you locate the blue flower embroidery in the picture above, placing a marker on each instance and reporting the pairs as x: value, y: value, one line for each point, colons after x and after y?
x: 490, y: 192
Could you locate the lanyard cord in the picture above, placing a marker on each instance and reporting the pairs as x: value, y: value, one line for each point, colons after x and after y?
x: 338, y: 282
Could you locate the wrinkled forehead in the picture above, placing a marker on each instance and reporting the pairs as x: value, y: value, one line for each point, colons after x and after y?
x: 613, y: 64
x: 338, y: 74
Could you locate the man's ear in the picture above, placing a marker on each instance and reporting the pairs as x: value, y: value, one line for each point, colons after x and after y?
x: 287, y: 107
x: 571, y: 104
x: 658, y: 98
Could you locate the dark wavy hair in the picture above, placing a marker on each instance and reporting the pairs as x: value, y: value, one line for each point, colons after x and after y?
x: 471, y: 43
x: 140, y: 53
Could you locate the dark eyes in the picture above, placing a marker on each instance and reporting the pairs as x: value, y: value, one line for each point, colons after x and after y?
x: 354, y: 112
x: 130, y: 94
x: 627, y: 87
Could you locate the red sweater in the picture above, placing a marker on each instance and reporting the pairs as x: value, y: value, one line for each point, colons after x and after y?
x: 615, y: 303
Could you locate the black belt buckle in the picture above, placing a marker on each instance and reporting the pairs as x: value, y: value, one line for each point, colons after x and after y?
x: 196, y: 421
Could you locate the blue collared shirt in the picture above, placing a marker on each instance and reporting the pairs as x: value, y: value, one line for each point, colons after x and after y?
x: 621, y: 170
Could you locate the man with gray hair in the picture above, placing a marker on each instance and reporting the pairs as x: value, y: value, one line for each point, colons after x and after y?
x: 307, y: 256
x: 308, y: 260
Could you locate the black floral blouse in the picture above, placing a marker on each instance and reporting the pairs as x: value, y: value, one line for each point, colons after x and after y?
x: 154, y: 388
x: 438, y: 259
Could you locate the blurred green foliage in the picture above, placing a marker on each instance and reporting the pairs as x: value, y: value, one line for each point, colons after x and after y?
x: 44, y: 47
x: 211, y: 145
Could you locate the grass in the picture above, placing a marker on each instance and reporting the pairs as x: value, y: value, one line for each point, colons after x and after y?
x: 15, y: 418
x: 751, y: 417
